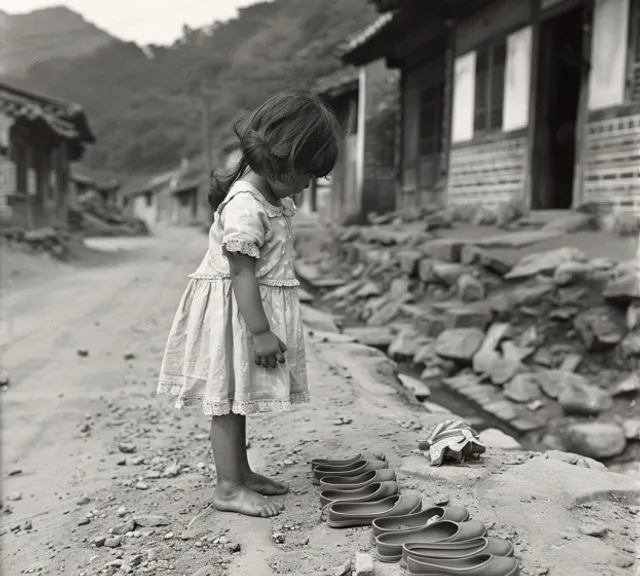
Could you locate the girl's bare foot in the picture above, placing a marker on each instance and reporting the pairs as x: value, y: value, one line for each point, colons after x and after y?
x: 263, y: 485
x: 243, y: 500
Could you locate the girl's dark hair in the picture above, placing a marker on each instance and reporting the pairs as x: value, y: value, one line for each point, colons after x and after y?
x: 293, y: 132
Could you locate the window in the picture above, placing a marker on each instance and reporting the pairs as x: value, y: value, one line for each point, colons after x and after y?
x: 430, y: 121
x: 148, y: 196
x: 489, y: 96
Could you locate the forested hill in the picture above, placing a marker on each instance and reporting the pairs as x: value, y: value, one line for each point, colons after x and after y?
x: 141, y: 104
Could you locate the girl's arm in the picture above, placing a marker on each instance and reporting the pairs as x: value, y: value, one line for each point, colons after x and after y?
x: 245, y: 288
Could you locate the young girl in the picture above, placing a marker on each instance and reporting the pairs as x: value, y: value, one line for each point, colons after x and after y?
x: 236, y: 343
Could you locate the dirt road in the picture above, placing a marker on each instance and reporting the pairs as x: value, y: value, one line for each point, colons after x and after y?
x: 87, y: 447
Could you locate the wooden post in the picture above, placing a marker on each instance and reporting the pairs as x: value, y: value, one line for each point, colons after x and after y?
x: 533, y: 102
x: 582, y: 116
x: 447, y: 113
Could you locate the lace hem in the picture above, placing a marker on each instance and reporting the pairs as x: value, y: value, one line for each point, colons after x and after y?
x: 222, y: 407
x: 286, y: 283
x: 242, y: 246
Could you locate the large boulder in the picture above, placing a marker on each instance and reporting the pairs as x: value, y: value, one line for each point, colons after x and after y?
x: 523, y: 388
x: 597, y: 440
x: 624, y: 289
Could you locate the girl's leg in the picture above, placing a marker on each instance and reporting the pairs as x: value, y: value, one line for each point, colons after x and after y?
x: 228, y: 444
x: 257, y: 482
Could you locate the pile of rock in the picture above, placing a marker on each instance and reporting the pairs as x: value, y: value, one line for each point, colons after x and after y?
x: 547, y: 344
x: 51, y: 240
x: 95, y: 218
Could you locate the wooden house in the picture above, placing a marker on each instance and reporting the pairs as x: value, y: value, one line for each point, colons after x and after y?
x: 148, y: 198
x: 86, y: 182
x: 535, y: 102
x: 39, y: 137
x: 363, y: 180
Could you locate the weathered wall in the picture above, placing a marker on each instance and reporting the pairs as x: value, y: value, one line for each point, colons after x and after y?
x: 612, y: 162
x: 145, y: 211
x: 489, y: 173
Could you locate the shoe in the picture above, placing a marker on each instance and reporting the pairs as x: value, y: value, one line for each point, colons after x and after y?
x: 372, y: 492
x: 478, y: 565
x: 355, y: 482
x: 351, y: 515
x: 419, y: 520
x: 356, y: 469
x: 347, y: 461
x: 389, y: 545
x: 453, y: 550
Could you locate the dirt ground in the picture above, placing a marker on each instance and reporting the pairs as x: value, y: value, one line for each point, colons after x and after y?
x: 87, y: 446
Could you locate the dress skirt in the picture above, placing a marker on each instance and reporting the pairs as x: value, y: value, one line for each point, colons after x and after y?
x: 209, y: 359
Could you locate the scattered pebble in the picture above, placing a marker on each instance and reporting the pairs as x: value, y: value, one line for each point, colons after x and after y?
x: 14, y: 496
x: 594, y: 529
x: 363, y: 565
x: 113, y: 542
x: 126, y: 447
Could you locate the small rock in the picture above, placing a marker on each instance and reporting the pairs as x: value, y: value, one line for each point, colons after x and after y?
x: 141, y: 485
x: 595, y: 529
x: 233, y: 547
x: 171, y: 471
x: 420, y: 390
x: 113, y: 542
x: 523, y: 388
x: 631, y: 429
x: 459, y: 343
x: 126, y: 447
x: 631, y: 344
x: 82, y: 353
x: 342, y: 570
x: 624, y: 289
x: 363, y: 565
x: 99, y: 541
x: 150, y: 521
x: 630, y: 385
x: 494, y: 438
x: 470, y: 289
x: 15, y: 471
x: 597, y: 440
x: 83, y: 500
x: 581, y: 398
x: 278, y: 537
x: 128, y: 526
x: 84, y: 521
x: 14, y: 496
x: 569, y: 272
x: 129, y: 356
x: 600, y: 328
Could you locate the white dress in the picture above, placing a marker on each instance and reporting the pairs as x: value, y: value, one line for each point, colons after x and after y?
x: 208, y: 358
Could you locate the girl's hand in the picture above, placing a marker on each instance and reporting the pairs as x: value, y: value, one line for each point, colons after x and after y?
x: 268, y: 350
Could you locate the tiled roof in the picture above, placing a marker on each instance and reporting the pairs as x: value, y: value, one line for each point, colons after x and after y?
x: 337, y: 83
x: 66, y: 119
x: 360, y: 38
x: 99, y: 181
x: 143, y: 184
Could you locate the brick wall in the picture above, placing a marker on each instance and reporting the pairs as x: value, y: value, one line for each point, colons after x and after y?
x: 612, y: 163
x: 490, y: 173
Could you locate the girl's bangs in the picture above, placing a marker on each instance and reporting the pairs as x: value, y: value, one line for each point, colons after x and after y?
x: 325, y: 160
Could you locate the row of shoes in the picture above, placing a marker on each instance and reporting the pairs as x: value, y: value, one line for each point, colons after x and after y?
x: 438, y: 541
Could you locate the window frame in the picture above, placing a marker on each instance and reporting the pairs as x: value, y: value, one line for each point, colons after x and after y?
x: 492, y: 112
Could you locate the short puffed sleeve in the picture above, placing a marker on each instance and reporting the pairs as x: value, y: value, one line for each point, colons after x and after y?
x: 244, y: 225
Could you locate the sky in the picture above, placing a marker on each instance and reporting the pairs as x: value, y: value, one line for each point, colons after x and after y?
x: 140, y: 21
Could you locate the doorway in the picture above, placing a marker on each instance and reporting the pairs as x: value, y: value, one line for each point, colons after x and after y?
x: 561, y: 69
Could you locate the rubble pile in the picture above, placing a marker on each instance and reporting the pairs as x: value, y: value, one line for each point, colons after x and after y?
x: 547, y: 344
x: 55, y: 241
x: 95, y: 218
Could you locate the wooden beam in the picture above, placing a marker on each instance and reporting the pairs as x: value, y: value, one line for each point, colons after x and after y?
x: 530, y: 180
x: 447, y: 120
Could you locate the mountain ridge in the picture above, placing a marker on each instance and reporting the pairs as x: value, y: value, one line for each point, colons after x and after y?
x: 46, y: 34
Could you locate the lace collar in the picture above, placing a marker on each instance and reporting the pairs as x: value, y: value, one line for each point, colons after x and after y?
x: 288, y: 207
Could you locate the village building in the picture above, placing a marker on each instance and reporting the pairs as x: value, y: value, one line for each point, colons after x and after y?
x: 39, y: 137
x: 87, y: 184
x: 533, y: 102
x: 364, y: 179
x: 148, y: 198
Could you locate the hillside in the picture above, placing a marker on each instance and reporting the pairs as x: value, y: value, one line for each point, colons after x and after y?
x: 143, y: 108
x: 55, y: 32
